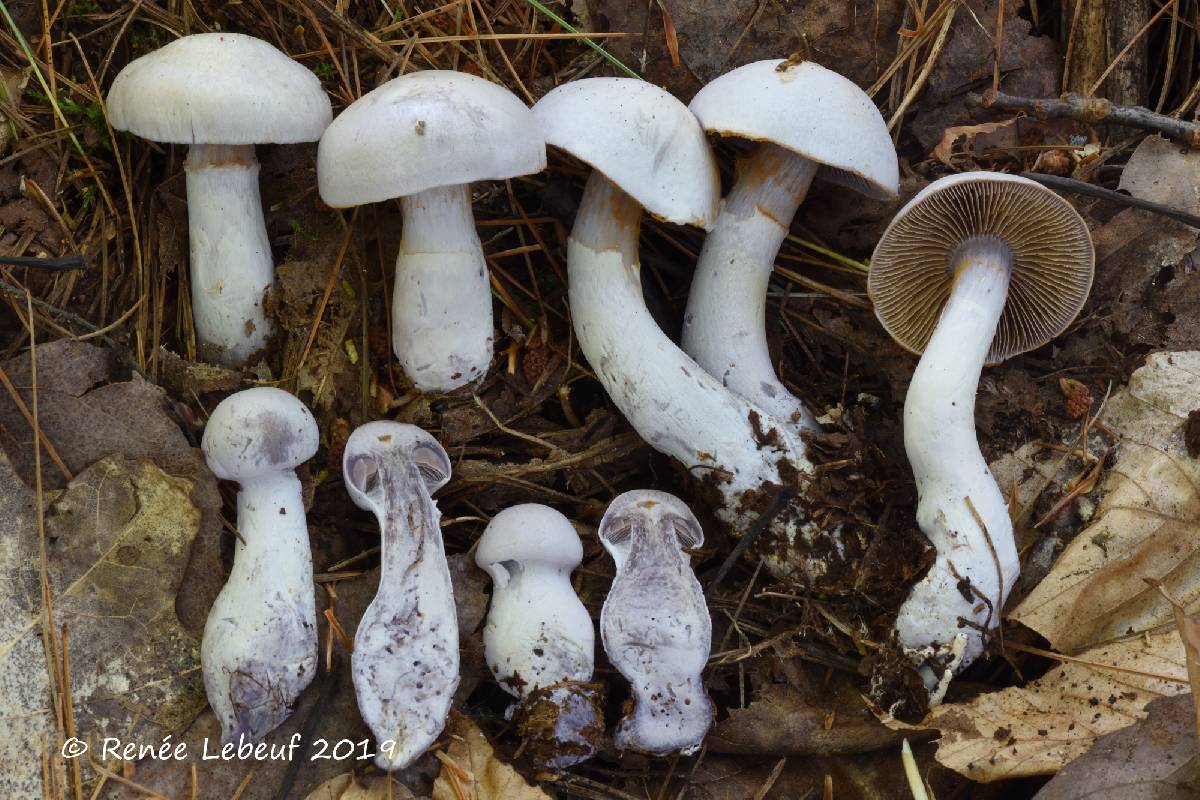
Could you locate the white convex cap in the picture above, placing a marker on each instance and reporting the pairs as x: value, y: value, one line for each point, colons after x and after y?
x: 219, y: 88
x: 529, y: 532
x: 642, y: 139
x: 425, y: 130
x: 257, y: 431
x: 810, y: 110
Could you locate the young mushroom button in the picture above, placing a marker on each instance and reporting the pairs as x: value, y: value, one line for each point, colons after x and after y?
x: 538, y: 640
x: 259, y: 648
x: 424, y: 137
x: 655, y: 624
x: 977, y: 268
x: 810, y: 123
x: 648, y: 152
x: 221, y: 94
x: 405, y: 662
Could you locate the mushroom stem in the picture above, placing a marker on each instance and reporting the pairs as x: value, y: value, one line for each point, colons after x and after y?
x: 724, y: 328
x: 677, y: 407
x: 441, y: 303
x: 230, y: 253
x: 260, y: 643
x: 960, y: 507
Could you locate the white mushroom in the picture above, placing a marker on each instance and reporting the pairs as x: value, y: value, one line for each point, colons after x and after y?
x: 424, y: 137
x: 405, y: 662
x: 811, y: 123
x: 221, y: 94
x: 655, y: 624
x: 648, y: 151
x: 538, y: 633
x: 259, y: 649
x: 975, y: 269
x: 538, y: 640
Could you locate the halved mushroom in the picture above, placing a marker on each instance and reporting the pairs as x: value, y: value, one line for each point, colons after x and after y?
x: 259, y: 649
x: 405, y: 662
x: 810, y: 123
x: 655, y: 623
x: 975, y: 269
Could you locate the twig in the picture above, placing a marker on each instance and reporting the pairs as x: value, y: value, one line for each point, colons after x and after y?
x: 782, y: 496
x: 74, y: 261
x: 1093, y: 110
x: 1091, y: 190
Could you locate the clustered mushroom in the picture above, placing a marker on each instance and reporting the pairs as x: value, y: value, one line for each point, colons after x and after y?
x: 975, y: 269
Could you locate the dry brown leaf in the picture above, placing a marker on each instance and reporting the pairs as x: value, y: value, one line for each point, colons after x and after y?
x: 471, y: 770
x: 1155, y: 759
x: 944, y: 150
x: 117, y: 542
x: 349, y: 786
x: 1145, y: 525
x: 1038, y: 728
x: 1164, y: 172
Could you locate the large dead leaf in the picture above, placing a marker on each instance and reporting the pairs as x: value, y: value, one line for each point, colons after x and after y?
x: 1163, y: 172
x: 349, y: 786
x: 471, y: 770
x: 87, y: 417
x: 1038, y: 728
x: 116, y: 544
x: 1155, y: 759
x: 1144, y: 527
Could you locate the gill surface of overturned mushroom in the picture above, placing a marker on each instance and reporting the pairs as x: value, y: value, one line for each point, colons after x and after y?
x: 221, y: 94
x: 810, y: 123
x: 259, y: 649
x: 655, y: 624
x: 538, y: 640
x: 424, y: 137
x: 977, y: 268
x: 648, y: 152
x: 405, y: 662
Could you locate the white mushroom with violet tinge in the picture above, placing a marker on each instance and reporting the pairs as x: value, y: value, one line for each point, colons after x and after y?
x: 538, y: 640
x: 221, y: 94
x: 975, y: 269
x: 655, y: 624
x: 809, y: 123
x: 425, y: 137
x: 648, y: 152
x: 405, y: 662
x: 259, y: 649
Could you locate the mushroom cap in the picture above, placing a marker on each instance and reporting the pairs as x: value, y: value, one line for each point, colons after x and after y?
x: 658, y: 508
x: 529, y: 532
x: 372, y: 444
x: 219, y: 88
x: 258, y: 431
x: 1053, y: 259
x: 642, y: 139
x: 810, y: 110
x: 424, y: 130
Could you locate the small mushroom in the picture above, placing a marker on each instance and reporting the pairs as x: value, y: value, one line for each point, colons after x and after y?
x: 810, y: 122
x: 424, y: 137
x: 538, y: 634
x: 405, y: 662
x: 655, y: 624
x: 259, y: 649
x: 975, y: 269
x: 221, y: 94
x: 648, y: 152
